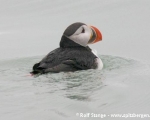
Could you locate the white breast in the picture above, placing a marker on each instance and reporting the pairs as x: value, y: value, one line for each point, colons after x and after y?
x: 98, y: 61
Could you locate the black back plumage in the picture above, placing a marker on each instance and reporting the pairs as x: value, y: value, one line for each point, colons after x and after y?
x: 81, y: 55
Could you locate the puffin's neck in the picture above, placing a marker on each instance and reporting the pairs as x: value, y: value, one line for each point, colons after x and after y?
x: 66, y: 42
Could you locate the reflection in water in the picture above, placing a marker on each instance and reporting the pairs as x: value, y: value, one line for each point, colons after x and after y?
x: 113, y: 89
x: 74, y: 85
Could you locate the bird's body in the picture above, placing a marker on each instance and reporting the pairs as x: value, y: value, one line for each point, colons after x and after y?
x: 62, y: 60
x: 70, y: 56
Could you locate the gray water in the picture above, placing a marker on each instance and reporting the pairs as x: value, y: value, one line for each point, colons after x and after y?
x: 119, y: 88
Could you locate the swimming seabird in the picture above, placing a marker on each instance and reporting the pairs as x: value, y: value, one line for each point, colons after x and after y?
x: 74, y: 53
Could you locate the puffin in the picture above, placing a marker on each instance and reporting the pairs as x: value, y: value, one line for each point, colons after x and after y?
x: 74, y: 54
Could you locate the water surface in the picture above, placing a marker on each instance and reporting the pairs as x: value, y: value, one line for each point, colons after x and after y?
x: 121, y: 87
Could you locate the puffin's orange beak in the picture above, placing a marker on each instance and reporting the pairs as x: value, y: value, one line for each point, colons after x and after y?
x: 96, y: 35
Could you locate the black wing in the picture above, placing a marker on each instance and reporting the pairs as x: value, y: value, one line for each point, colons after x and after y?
x: 65, y: 66
x: 60, y: 60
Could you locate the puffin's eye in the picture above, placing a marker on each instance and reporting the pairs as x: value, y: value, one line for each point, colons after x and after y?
x: 83, y: 31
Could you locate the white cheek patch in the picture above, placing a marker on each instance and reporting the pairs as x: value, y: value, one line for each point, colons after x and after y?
x: 79, y: 30
x: 81, y: 38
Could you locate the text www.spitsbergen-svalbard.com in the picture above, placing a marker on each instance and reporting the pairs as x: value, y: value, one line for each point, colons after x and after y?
x: 97, y: 115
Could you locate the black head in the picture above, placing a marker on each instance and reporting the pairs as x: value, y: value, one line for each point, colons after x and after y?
x: 80, y: 34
